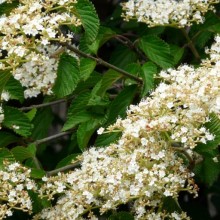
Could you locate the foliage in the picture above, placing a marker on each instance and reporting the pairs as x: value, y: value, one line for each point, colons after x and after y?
x: 68, y: 88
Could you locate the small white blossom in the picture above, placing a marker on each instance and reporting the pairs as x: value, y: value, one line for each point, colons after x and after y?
x: 215, y: 159
x: 100, y: 131
x: 5, y: 95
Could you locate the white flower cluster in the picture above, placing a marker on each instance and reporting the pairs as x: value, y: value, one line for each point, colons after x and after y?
x: 123, y: 172
x: 26, y: 40
x: 15, y: 182
x: 39, y: 73
x: 142, y: 166
x: 179, y: 106
x: 178, y: 13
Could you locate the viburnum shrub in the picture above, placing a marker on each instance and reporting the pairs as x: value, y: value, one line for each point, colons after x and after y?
x: 111, y: 118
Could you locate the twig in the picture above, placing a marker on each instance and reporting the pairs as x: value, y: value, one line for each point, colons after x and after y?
x: 42, y: 105
x: 129, y: 44
x: 52, y: 137
x: 46, y: 104
x: 63, y: 169
x: 103, y: 63
x: 190, y: 44
x: 36, y: 162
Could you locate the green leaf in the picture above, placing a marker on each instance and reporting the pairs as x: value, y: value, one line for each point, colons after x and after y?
x: 76, y: 119
x: 134, y: 69
x: 5, y: 154
x: 17, y: 121
x: 4, y: 77
x: 86, y: 67
x: 149, y: 70
x: 212, y: 23
x: 122, y: 56
x: 109, y: 78
x: 119, y: 105
x: 79, y: 103
x: 6, y: 8
x: 121, y: 216
x: 7, y: 138
x: 152, y: 30
x: 84, y: 46
x: 214, y: 28
x: 94, y: 78
x: 208, y: 171
x: 38, y: 203
x: 67, y: 76
x: 171, y: 205
x: 41, y: 127
x: 203, y: 38
x: 157, y: 51
x: 177, y: 53
x: 77, y: 111
x: 15, y: 89
x: 37, y: 174
x: 214, y: 128
x: 104, y: 35
x: 31, y: 114
x: 106, y: 139
x: 96, y: 94
x: 85, y: 131
x: 98, y: 97
x: 21, y: 153
x: 32, y: 149
x: 89, y: 18
x: 67, y: 160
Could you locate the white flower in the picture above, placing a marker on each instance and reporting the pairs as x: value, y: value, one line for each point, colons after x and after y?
x: 167, y: 12
x: 16, y: 127
x: 13, y: 166
x: 9, y: 213
x: 44, y: 178
x: 5, y: 95
x: 215, y: 159
x: 167, y: 193
x: 170, y: 104
x: 100, y: 131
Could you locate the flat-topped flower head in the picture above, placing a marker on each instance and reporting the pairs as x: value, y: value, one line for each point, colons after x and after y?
x: 117, y: 175
x: 167, y: 12
x: 15, y: 183
x: 27, y: 42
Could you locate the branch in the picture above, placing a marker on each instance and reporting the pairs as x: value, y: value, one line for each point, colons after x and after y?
x: 191, y: 45
x: 46, y: 104
x: 130, y: 45
x: 42, y: 105
x: 63, y: 169
x: 50, y: 138
x: 36, y: 162
x: 103, y: 63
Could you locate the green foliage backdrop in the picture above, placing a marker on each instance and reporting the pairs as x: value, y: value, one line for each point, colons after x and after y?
x: 107, y: 65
